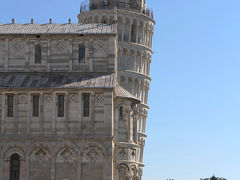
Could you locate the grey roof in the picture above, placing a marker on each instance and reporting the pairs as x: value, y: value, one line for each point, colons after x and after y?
x: 123, y: 93
x: 55, y: 80
x: 12, y: 29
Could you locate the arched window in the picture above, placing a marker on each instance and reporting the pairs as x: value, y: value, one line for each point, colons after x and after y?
x: 126, y: 30
x: 81, y: 53
x: 134, y: 174
x: 122, y: 173
x: 120, y: 113
x: 86, y: 105
x: 15, y: 167
x: 133, y: 33
x: 38, y: 54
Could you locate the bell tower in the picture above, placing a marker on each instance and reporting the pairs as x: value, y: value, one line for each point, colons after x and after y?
x: 135, y: 24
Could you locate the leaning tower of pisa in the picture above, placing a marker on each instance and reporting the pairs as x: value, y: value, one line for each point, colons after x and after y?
x: 135, y: 26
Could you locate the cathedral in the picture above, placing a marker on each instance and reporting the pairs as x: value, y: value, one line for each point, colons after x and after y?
x: 74, y: 97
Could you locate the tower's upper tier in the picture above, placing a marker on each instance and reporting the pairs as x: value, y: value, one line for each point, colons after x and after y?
x: 133, y: 5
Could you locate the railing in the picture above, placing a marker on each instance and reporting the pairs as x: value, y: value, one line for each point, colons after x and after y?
x: 88, y: 5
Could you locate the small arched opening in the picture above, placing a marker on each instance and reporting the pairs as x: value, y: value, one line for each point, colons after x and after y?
x: 134, y: 32
x: 38, y: 54
x: 15, y: 167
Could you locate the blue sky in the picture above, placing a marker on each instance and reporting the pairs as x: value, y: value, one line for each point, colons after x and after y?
x: 194, y: 120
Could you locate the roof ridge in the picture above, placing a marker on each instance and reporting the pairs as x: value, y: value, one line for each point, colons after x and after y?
x: 123, y: 93
x: 93, y: 28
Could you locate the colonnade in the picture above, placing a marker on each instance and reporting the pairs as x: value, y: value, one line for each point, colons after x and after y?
x: 134, y: 60
x: 138, y: 88
x: 130, y: 29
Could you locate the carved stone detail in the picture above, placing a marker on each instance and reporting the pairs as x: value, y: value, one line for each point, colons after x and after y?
x: 100, y: 44
x: 48, y: 98
x: 22, y: 99
x: 122, y: 154
x: 99, y: 98
x: 73, y: 98
x: 40, y: 154
x: 67, y: 154
x: 92, y: 154
x: 17, y: 45
x: 60, y: 45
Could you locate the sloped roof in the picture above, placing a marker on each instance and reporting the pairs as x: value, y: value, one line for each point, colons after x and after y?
x: 55, y: 80
x: 123, y: 93
x: 23, y: 29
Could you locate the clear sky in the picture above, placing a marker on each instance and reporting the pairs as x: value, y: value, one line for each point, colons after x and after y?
x: 194, y: 121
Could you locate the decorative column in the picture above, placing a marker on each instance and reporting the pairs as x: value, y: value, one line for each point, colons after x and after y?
x: 129, y: 120
x: 132, y: 87
x: 79, y: 168
x: 149, y: 61
x: 141, y: 64
x: 15, y: 112
x: 92, y: 109
x: 28, y: 166
x: 67, y: 113
x: 54, y: 111
x: 136, y: 125
x: 90, y: 57
x: 41, y: 111
x: 49, y: 56
x: 80, y: 110
x: 137, y: 29
x: 139, y: 122
x: 6, y: 54
x: 29, y: 115
x: 130, y: 30
x: 151, y: 38
x: 146, y: 92
x: 142, y: 92
x: 27, y: 54
x: 53, y: 167
x: 146, y: 95
x: 143, y: 34
x: 141, y: 152
x: 3, y: 112
x: 1, y: 165
x: 148, y: 33
x: 70, y: 54
x: 122, y: 28
x: 144, y: 123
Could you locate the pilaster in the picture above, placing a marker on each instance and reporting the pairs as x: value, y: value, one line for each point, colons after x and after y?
x: 27, y: 55
x: 49, y: 55
x: 92, y: 110
x: 15, y: 112
x: 28, y: 167
x: 67, y: 113
x: 70, y: 54
x: 53, y: 167
x: 130, y: 30
x: 80, y: 110
x: 79, y: 169
x: 3, y: 112
x: 55, y: 112
x: 29, y: 113
x: 137, y: 27
x: 1, y: 165
x: 6, y: 54
x: 41, y: 112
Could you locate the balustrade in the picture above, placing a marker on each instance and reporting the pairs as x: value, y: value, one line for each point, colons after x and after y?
x: 134, y: 5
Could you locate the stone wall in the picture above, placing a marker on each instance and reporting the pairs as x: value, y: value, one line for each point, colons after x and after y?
x: 53, y: 148
x: 59, y: 53
x: 57, y: 159
x: 132, y: 26
x: 99, y: 121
